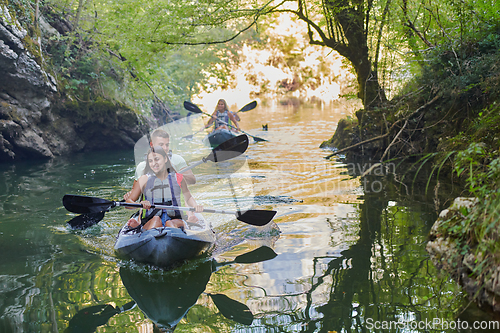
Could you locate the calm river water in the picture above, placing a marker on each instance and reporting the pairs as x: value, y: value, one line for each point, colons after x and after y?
x: 350, y: 255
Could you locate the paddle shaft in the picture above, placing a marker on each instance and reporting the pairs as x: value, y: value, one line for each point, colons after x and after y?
x: 192, y: 209
x: 93, y: 207
x: 192, y: 166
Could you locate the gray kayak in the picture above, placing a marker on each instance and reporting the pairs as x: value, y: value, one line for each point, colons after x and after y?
x: 217, y: 137
x: 165, y: 246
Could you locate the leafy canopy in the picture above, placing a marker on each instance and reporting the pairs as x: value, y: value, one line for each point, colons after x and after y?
x: 160, y: 44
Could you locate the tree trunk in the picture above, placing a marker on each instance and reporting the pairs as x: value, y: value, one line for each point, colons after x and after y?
x: 348, y: 36
x: 81, y: 3
x: 370, y: 91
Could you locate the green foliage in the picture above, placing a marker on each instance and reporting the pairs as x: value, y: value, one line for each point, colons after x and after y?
x: 22, y: 9
x: 481, y: 168
x: 122, y: 49
x: 465, y: 71
x: 465, y: 76
x: 488, y: 11
x: 470, y: 160
x: 462, y: 131
x: 75, y: 62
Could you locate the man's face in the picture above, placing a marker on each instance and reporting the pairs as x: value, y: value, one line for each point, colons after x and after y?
x: 162, y: 142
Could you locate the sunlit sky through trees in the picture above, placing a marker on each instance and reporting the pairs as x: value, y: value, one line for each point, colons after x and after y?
x: 283, y: 65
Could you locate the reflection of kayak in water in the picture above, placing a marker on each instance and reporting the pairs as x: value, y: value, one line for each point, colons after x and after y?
x: 166, y: 246
x: 166, y: 297
x: 218, y: 136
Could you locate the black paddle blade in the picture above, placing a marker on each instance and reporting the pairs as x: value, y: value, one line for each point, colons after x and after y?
x: 229, y: 149
x: 249, y: 106
x: 256, y: 217
x: 86, y: 220
x: 261, y: 254
x: 232, y: 309
x: 192, y: 107
x: 81, y: 204
x: 257, y: 139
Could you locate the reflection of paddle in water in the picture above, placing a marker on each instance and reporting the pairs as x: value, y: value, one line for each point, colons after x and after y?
x: 88, y: 319
x: 166, y: 297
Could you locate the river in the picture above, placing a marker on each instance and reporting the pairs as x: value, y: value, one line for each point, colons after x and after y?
x: 350, y: 255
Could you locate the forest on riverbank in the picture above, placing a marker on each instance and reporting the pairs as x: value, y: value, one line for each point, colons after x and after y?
x: 427, y: 74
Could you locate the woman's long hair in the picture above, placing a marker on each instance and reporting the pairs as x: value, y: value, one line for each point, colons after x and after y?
x: 161, y: 151
x: 225, y: 105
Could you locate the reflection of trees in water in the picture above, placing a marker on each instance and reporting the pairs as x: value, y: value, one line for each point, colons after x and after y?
x: 385, y: 276
x: 165, y: 297
x: 98, y: 295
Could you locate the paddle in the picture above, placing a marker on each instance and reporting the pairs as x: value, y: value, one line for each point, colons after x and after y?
x: 194, y: 108
x: 248, y: 107
x: 225, y: 151
x: 89, y: 205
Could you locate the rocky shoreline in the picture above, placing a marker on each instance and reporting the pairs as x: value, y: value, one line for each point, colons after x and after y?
x: 36, y: 120
x: 446, y: 254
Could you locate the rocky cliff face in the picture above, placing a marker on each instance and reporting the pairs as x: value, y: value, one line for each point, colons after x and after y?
x: 33, y: 122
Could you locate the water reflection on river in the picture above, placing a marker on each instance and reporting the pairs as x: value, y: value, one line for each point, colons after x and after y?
x: 349, y: 258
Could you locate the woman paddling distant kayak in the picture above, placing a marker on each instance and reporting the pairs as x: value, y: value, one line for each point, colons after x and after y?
x: 221, y: 117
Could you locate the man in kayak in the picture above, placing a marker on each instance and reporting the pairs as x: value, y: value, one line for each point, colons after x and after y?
x: 162, y: 138
x: 222, y: 116
x: 160, y: 184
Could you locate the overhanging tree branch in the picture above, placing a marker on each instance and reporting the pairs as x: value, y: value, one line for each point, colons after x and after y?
x: 410, y: 25
x: 254, y: 22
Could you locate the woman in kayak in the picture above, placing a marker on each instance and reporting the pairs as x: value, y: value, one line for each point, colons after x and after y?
x: 161, y: 184
x: 221, y: 117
